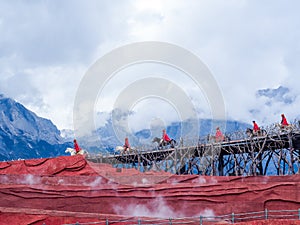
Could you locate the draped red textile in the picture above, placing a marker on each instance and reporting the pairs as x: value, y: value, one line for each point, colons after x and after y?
x: 70, y: 189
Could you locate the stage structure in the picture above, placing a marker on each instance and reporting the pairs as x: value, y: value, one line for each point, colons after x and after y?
x: 277, y: 151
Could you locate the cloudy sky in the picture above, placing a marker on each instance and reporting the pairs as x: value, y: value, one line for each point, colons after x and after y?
x: 251, y: 48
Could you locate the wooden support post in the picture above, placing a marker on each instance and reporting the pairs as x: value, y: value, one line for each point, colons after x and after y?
x: 139, y: 162
x: 260, y: 164
x: 175, y: 163
x: 212, y: 161
x: 291, y: 148
x: 221, y: 164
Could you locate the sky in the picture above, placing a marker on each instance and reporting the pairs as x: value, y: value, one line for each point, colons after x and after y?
x: 250, y: 47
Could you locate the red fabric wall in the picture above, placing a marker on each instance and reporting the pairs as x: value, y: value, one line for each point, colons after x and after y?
x: 35, y: 191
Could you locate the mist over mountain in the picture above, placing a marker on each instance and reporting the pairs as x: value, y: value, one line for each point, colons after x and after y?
x: 280, y: 94
x: 112, y: 133
x: 24, y: 135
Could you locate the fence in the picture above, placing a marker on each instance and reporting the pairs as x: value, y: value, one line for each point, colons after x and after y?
x: 203, y: 220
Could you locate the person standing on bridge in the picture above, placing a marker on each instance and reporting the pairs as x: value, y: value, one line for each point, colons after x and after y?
x: 284, y: 122
x: 256, y: 128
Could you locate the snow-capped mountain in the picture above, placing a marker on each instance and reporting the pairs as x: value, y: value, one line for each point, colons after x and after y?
x: 25, y: 135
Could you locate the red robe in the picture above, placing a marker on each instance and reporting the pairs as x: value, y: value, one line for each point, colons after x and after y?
x: 284, y: 121
x: 126, y: 145
x: 219, y: 136
x: 166, y: 137
x: 76, y: 147
x: 255, y: 127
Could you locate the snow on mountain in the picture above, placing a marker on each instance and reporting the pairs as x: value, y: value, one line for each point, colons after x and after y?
x: 25, y: 135
x: 280, y: 94
x: 67, y: 134
x: 16, y: 120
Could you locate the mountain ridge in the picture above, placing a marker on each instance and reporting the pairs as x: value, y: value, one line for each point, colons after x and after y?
x: 25, y: 135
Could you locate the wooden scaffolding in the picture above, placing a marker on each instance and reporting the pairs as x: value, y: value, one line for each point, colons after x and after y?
x: 275, y: 152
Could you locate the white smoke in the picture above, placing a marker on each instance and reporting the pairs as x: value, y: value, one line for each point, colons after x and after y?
x: 145, y: 181
x: 95, y: 183
x: 199, y: 180
x: 113, y: 184
x: 60, y: 181
x: 173, y: 181
x: 29, y: 179
x: 4, y: 179
x: 156, y: 208
x: 208, y: 213
x: 213, y: 181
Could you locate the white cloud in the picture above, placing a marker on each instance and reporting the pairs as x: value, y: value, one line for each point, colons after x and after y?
x: 46, y: 47
x: 47, y: 91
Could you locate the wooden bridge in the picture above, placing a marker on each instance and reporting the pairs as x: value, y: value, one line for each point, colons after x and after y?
x: 275, y: 153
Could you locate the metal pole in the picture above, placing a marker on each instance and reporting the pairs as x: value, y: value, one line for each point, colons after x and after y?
x: 170, y: 221
x: 106, y: 222
x: 232, y: 218
x: 266, y: 214
x: 139, y: 221
x: 200, y: 220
